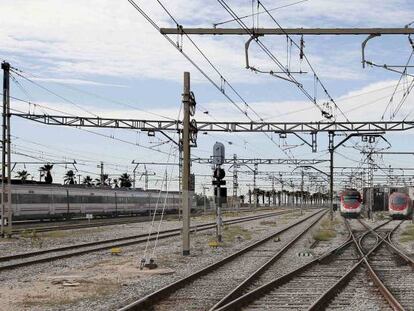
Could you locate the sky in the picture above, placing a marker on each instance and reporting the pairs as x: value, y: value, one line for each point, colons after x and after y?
x: 102, y: 58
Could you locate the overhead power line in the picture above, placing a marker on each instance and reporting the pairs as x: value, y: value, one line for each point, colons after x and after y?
x: 267, y: 51
x: 259, y: 13
x: 223, y: 81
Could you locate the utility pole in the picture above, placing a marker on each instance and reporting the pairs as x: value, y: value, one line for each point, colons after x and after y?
x: 273, y: 191
x: 302, y: 194
x: 205, y: 198
x: 180, y: 172
x: 331, y: 148
x: 186, y: 165
x: 282, y: 186
x: 101, y: 166
x: 6, y: 206
x: 254, y: 184
x: 235, y: 183
x: 145, y: 178
x: 134, y: 172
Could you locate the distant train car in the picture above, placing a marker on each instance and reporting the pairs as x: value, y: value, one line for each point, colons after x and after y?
x: 351, y: 203
x: 400, y: 205
x: 54, y: 201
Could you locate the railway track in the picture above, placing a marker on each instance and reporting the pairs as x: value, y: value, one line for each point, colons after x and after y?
x: 314, y: 285
x: 395, y: 271
x: 207, y: 287
x: 46, y: 255
x: 20, y: 227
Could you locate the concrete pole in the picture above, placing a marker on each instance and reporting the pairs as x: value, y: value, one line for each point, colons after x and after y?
x: 331, y: 167
x: 302, y: 195
x: 135, y: 176
x: 235, y: 200
x: 255, y: 194
x: 146, y: 178
x: 204, y: 199
x: 186, y: 165
x: 180, y: 172
x: 6, y: 207
x: 102, y: 174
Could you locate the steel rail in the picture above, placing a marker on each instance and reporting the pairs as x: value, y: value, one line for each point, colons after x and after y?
x: 329, y: 294
x: 148, y: 300
x: 123, y: 241
x: 386, y: 293
x: 237, y: 292
x: 389, y: 243
x: 20, y: 227
x: 264, y: 289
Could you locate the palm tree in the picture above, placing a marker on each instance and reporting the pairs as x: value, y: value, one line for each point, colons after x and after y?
x: 115, y: 182
x: 22, y: 175
x: 125, y: 180
x: 106, y: 180
x: 87, y: 181
x: 45, y: 172
x: 69, y: 178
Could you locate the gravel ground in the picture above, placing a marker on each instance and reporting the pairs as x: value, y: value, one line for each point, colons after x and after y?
x: 359, y: 294
x: 38, y: 241
x: 406, y: 245
x: 104, y: 282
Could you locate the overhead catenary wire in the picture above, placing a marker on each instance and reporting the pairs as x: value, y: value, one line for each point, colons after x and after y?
x: 304, y: 56
x: 224, y: 81
x: 53, y: 93
x: 92, y: 94
x: 396, y: 87
x: 271, y: 55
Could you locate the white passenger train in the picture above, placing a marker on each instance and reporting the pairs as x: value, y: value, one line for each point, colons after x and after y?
x: 55, y: 201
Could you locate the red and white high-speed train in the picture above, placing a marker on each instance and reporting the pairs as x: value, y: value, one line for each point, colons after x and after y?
x: 400, y: 205
x: 351, y: 203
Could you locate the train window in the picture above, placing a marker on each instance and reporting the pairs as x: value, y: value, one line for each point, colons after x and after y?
x: 75, y: 199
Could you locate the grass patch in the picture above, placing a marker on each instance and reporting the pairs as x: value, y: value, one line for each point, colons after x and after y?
x: 231, y: 232
x: 326, y: 230
x: 268, y: 223
x: 380, y: 216
x: 324, y: 235
x: 408, y: 234
x: 292, y: 215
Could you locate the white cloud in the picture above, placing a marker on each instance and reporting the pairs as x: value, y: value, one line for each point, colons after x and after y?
x: 78, y: 38
x: 77, y: 82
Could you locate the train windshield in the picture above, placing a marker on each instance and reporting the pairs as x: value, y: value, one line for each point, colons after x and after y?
x: 351, y: 198
x: 399, y: 200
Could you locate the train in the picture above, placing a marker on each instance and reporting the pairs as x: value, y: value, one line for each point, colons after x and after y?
x: 351, y: 203
x: 38, y: 201
x: 400, y: 205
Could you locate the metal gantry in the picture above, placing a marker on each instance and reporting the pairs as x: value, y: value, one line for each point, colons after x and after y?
x: 221, y: 126
x: 289, y: 31
x: 244, y: 161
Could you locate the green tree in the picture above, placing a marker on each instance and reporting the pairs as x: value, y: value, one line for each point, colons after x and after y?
x: 22, y: 175
x: 125, y: 180
x: 45, y: 171
x: 69, y: 178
